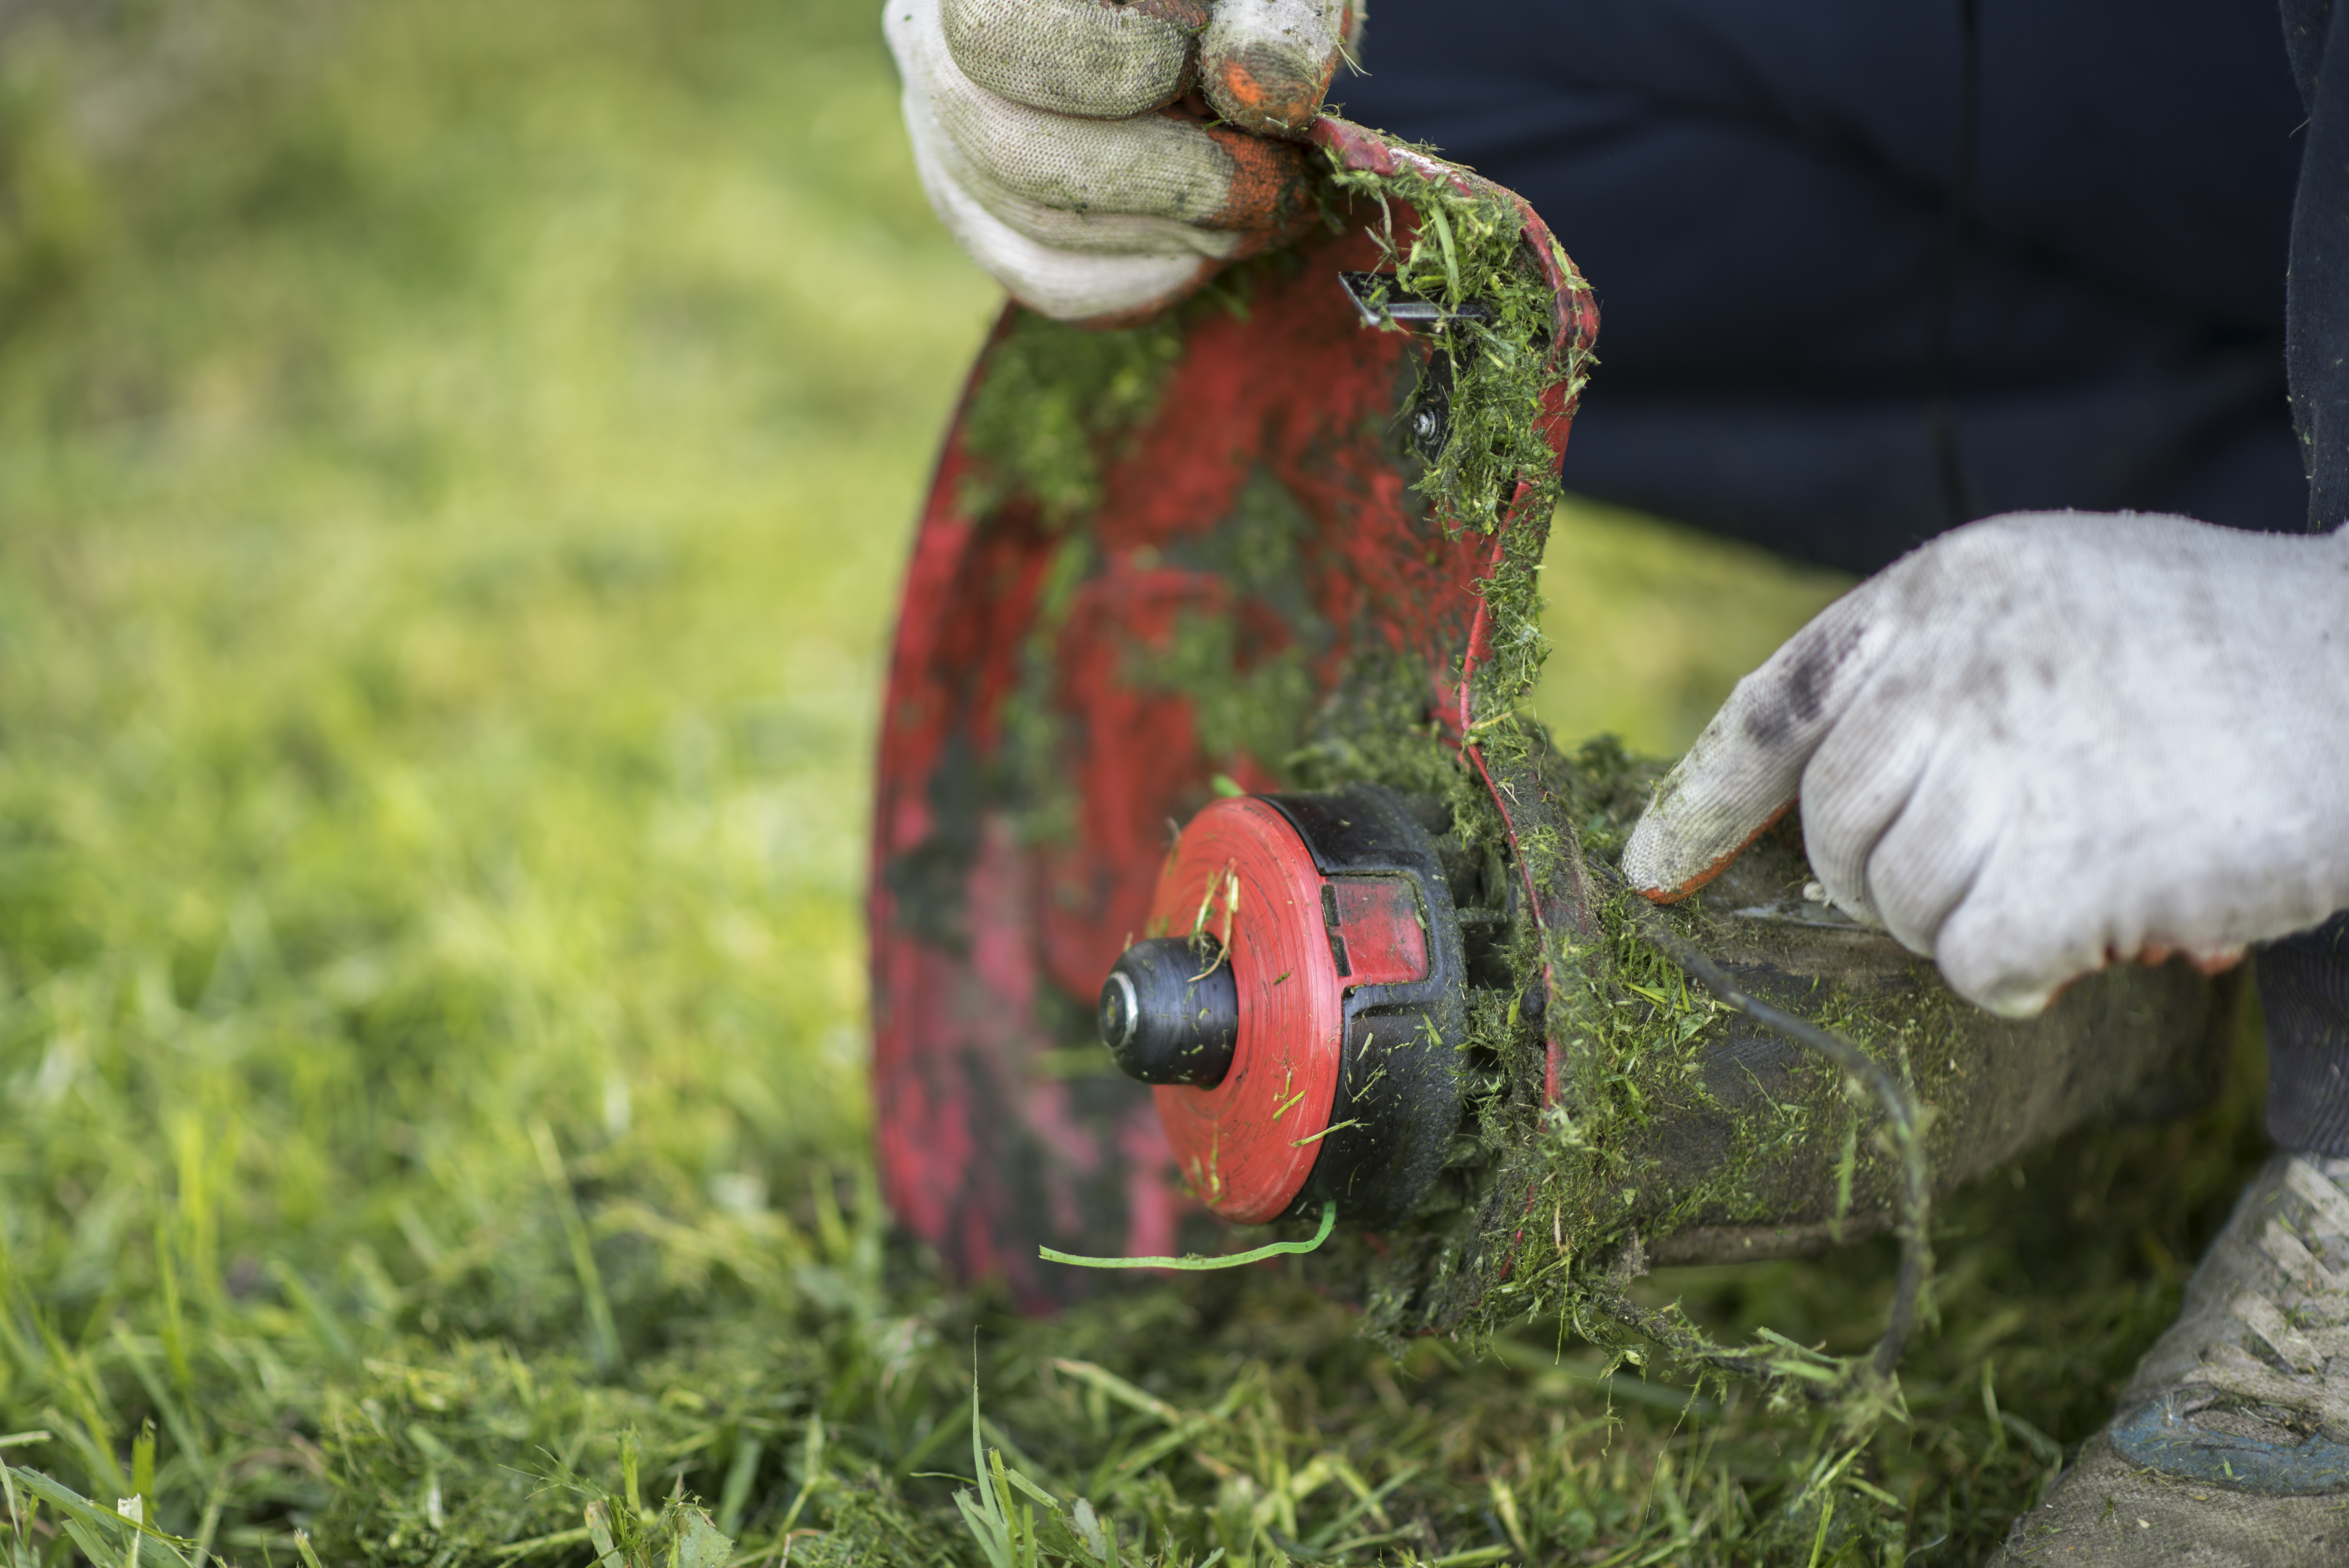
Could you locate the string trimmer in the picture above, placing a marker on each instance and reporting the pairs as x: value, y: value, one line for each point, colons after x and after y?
x: 1204, y: 742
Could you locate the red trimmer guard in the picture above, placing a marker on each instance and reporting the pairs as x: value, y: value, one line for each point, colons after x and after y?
x: 1036, y: 757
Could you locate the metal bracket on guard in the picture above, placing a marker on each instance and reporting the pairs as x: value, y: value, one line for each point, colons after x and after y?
x: 1383, y: 303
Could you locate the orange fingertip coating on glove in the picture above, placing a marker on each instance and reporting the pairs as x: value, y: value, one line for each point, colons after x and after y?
x: 2153, y: 954
x: 1261, y: 90
x: 1268, y: 182
x: 1674, y: 894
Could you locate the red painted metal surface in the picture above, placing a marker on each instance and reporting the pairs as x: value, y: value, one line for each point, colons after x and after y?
x: 1379, y: 922
x: 1246, y: 1145
x: 1039, y: 746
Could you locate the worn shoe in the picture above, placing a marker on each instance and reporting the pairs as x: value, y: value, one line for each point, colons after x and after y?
x: 2232, y: 1441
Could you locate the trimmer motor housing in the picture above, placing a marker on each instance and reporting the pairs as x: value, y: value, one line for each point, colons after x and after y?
x: 1330, y: 922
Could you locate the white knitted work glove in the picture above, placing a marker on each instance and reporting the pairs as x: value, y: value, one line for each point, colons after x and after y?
x: 2047, y: 742
x: 1050, y: 136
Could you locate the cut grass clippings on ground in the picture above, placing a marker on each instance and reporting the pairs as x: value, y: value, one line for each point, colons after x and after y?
x: 456, y: 463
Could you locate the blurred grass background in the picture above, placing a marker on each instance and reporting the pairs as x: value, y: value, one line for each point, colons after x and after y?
x: 455, y: 465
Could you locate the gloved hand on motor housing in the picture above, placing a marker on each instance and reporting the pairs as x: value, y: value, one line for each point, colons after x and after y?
x: 2045, y: 742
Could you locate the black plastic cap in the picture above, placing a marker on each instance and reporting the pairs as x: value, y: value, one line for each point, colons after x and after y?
x: 1170, y: 1012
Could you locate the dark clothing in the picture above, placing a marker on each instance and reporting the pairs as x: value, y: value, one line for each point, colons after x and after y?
x: 1869, y: 271
x: 2317, y: 342
x: 2304, y: 985
x: 1763, y: 198
x: 2304, y: 982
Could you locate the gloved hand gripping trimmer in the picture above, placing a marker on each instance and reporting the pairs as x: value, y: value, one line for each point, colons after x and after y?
x: 1200, y: 745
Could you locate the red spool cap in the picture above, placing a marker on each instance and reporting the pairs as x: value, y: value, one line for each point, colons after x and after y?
x: 1240, y: 873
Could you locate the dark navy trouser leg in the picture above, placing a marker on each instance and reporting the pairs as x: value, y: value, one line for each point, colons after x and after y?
x: 2304, y: 989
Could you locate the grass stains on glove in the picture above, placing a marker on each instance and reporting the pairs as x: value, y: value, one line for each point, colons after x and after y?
x: 1265, y: 65
x: 1072, y: 146
x: 1103, y: 61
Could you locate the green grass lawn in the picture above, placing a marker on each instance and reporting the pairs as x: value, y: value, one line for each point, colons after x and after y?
x: 455, y: 465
